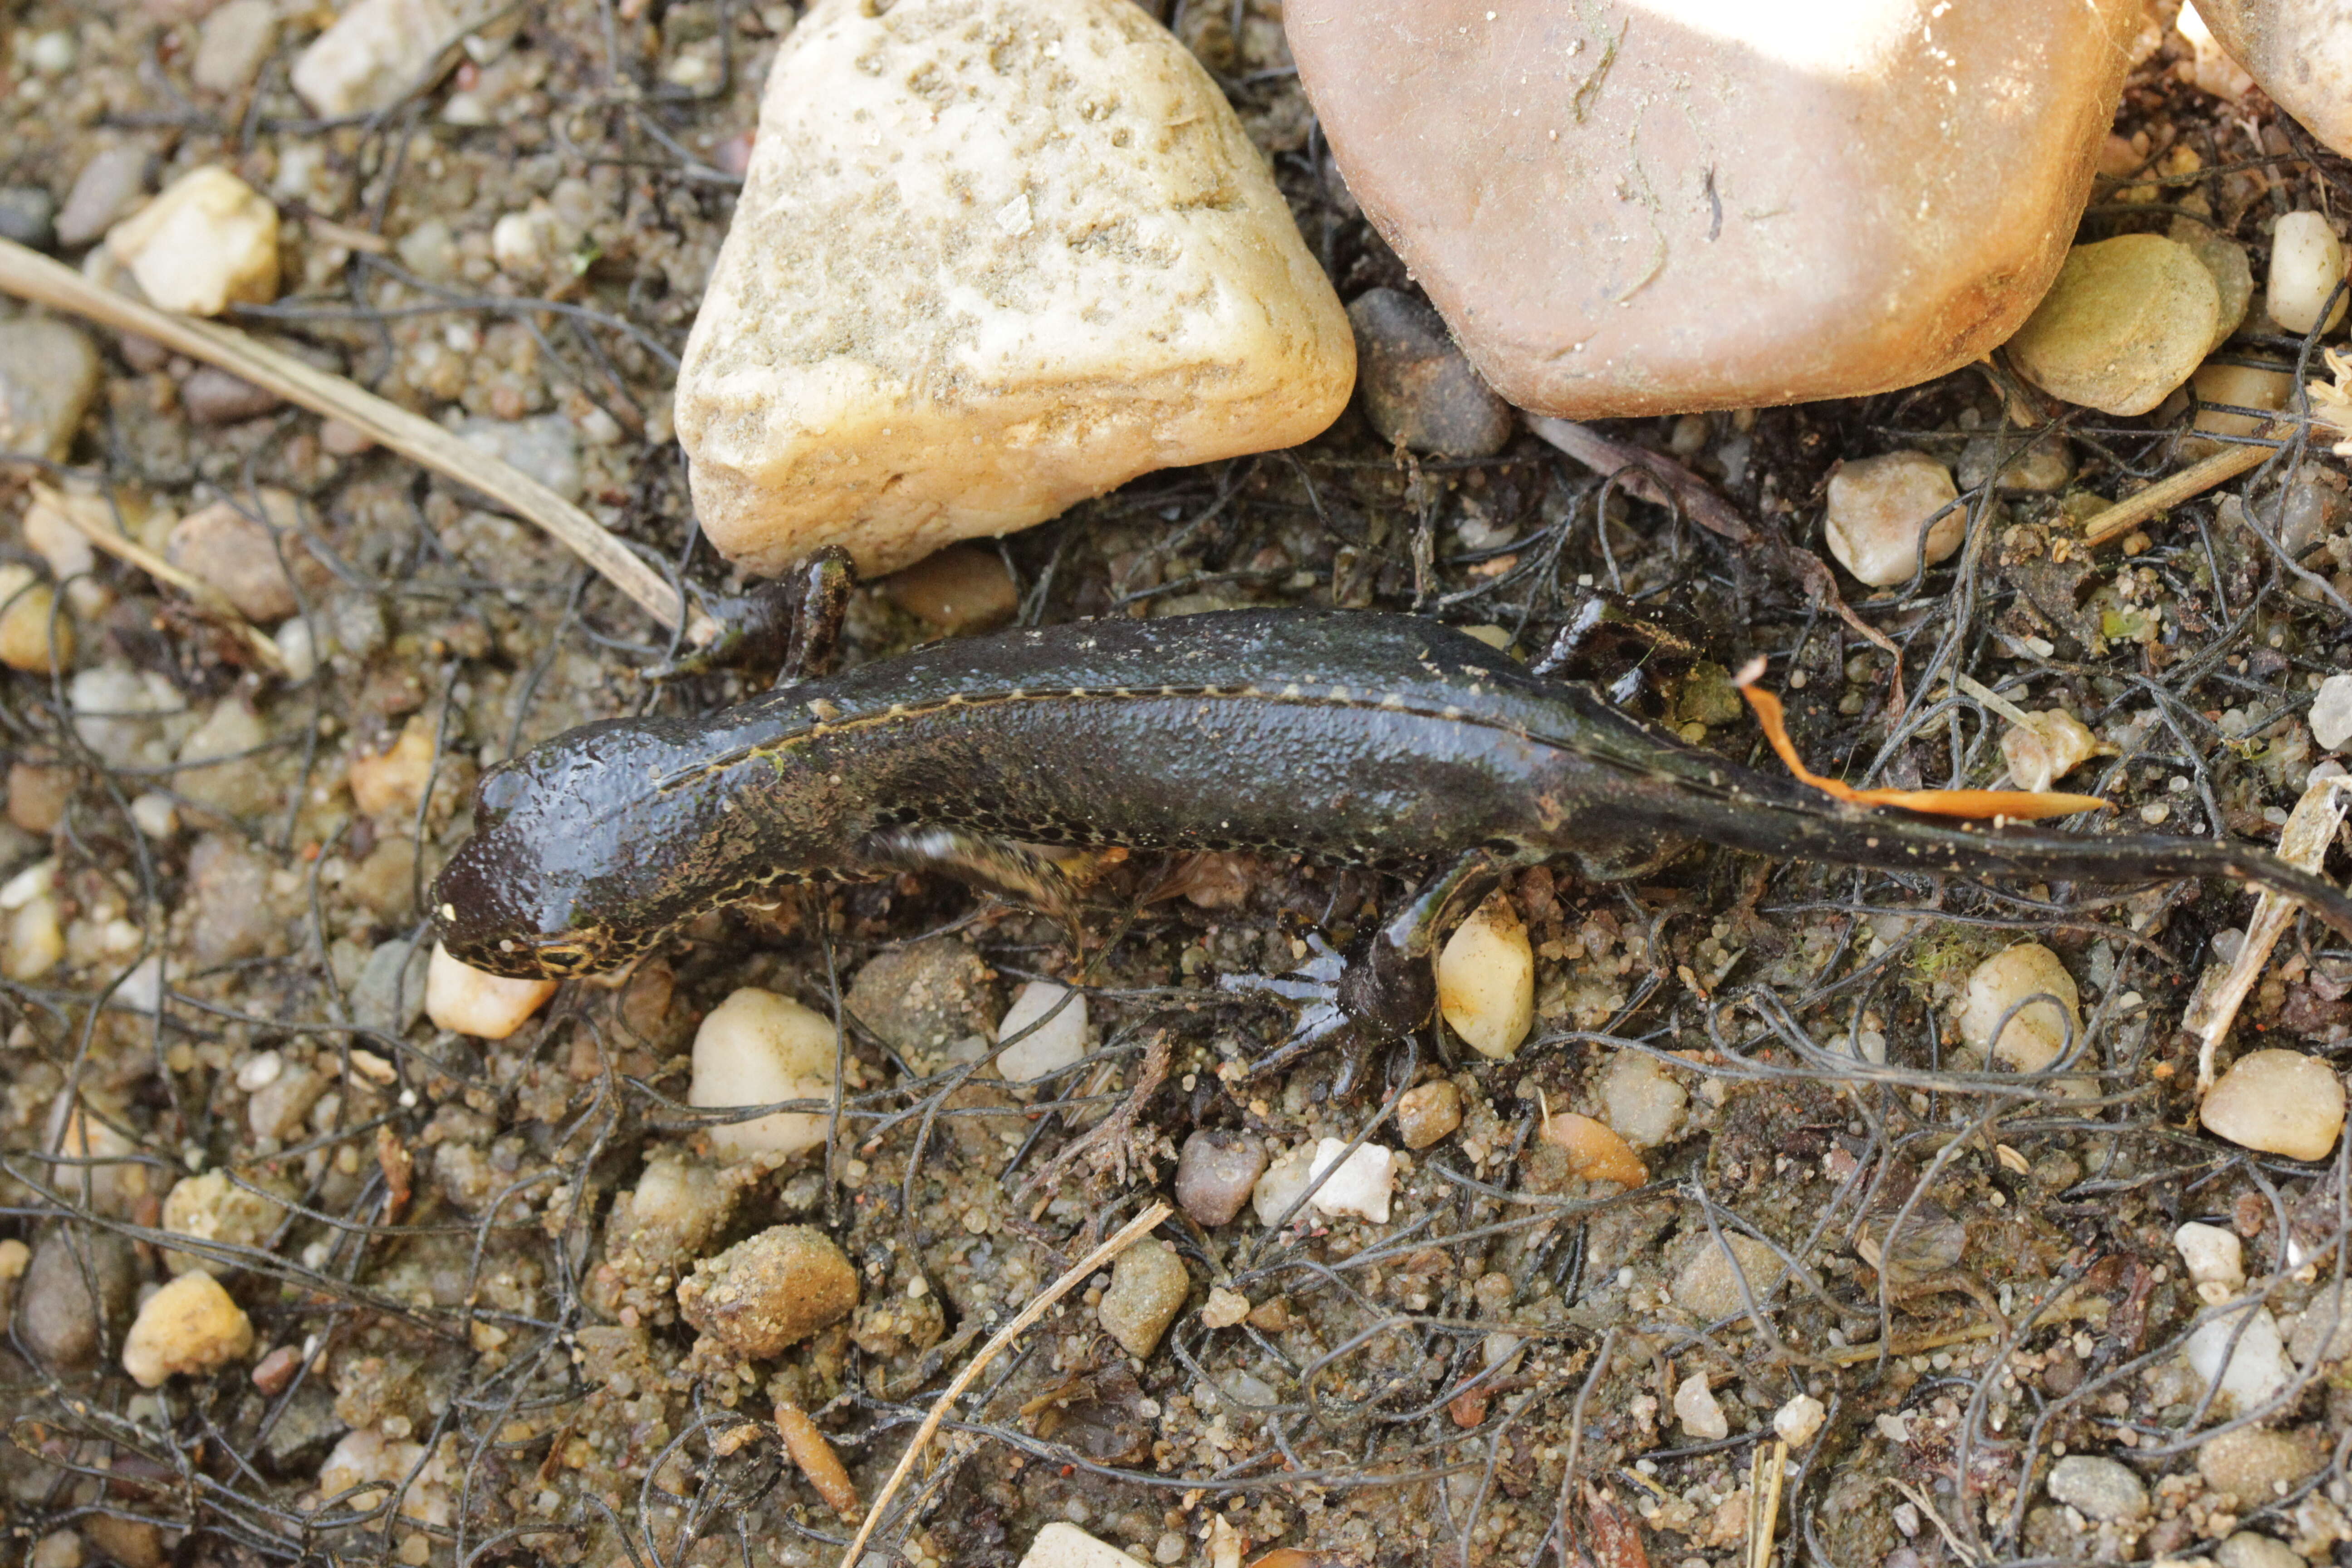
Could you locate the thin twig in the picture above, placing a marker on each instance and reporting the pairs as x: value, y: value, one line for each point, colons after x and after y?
x: 2167, y: 493
x: 31, y: 275
x: 1135, y: 1230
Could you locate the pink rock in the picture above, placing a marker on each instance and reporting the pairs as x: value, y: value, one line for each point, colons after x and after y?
x: 1638, y: 207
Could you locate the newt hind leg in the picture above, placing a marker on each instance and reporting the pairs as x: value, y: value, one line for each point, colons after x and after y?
x: 1382, y: 991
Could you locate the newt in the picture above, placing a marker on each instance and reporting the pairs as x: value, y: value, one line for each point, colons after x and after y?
x: 1389, y: 740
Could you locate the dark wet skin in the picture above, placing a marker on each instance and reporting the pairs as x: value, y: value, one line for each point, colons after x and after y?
x: 1383, y: 740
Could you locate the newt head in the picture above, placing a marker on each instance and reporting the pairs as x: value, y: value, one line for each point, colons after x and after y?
x: 560, y: 846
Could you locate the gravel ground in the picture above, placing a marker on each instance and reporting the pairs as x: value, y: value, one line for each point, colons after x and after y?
x: 465, y: 1349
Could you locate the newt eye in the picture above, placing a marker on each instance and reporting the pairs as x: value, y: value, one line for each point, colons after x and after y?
x: 563, y: 958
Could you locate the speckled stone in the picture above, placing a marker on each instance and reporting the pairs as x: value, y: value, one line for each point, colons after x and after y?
x: 1215, y: 1173
x: 763, y: 1295
x: 1148, y: 1286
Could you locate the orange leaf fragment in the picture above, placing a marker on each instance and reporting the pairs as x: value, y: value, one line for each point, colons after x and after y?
x: 1594, y: 1150
x: 2019, y: 804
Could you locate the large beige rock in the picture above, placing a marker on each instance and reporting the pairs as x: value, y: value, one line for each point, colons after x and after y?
x: 2299, y: 51
x: 991, y: 258
x: 1635, y: 206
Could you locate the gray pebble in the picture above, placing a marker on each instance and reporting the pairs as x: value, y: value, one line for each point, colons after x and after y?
x: 2248, y: 1550
x: 923, y: 996
x: 2098, y: 1488
x: 215, y: 398
x: 29, y: 216
x: 546, y: 447
x: 57, y: 1314
x: 1416, y: 385
x: 103, y: 193
x: 1215, y: 1173
x: 49, y: 373
x: 229, y: 889
x: 390, y: 994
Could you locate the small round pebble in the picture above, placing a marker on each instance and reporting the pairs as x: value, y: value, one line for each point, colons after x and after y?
x: 2307, y: 264
x: 2282, y: 1102
x: 2038, y: 1032
x: 759, y: 1049
x: 466, y: 1001
x: 2125, y: 322
x: 2213, y: 1256
x: 2256, y: 1367
x: 57, y: 1315
x: 1707, y: 1288
x: 922, y: 998
x: 240, y: 557
x: 1595, y: 1152
x: 49, y: 373
x: 190, y: 1326
x: 1279, y: 1187
x: 1486, y: 980
x: 1417, y: 387
x: 763, y: 1295
x: 1796, y: 1422
x: 1148, y: 1286
x: 215, y: 398
x: 1225, y: 1307
x: 28, y: 216
x: 1215, y: 1173
x: 962, y: 589
x: 2097, y: 1488
x: 1050, y: 1043
x: 2252, y: 1463
x: 1877, y: 509
x: 1640, y: 1099
x: 28, y: 622
x: 2331, y: 713
x: 2249, y: 1549
x: 1428, y: 1114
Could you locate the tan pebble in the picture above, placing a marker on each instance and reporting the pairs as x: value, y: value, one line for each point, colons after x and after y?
x: 1485, y: 980
x: 2037, y: 1031
x: 759, y: 1048
x: 1428, y: 1114
x: 1878, y: 509
x: 963, y: 588
x: 392, y: 782
x: 2046, y: 748
x: 2282, y: 1102
x: 2126, y: 321
x: 1148, y: 1283
x: 1224, y: 1308
x: 208, y: 241
x: 1594, y: 1152
x: 241, y: 557
x: 466, y: 1001
x: 770, y: 1292
x: 28, y: 618
x: 189, y: 1326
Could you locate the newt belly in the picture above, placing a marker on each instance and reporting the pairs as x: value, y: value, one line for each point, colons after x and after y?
x: 1377, y: 739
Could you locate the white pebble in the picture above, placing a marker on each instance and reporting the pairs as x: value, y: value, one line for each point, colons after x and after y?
x: 208, y: 242
x: 2331, y: 713
x: 1797, y: 1421
x: 466, y: 1001
x: 155, y: 815
x: 1643, y: 1102
x: 35, y: 881
x: 36, y: 940
x: 189, y: 1326
x: 52, y: 54
x: 1696, y: 1408
x: 2213, y: 1256
x: 1056, y: 1043
x: 1279, y: 1186
x: 2039, y: 1031
x: 1358, y: 1185
x: 1877, y: 507
x: 2257, y: 1369
x: 299, y: 648
x: 376, y: 51
x: 2282, y: 1102
x: 2045, y: 747
x: 2307, y: 264
x: 1062, y: 1546
x: 756, y: 1049
x: 1486, y: 980
x: 258, y: 1071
